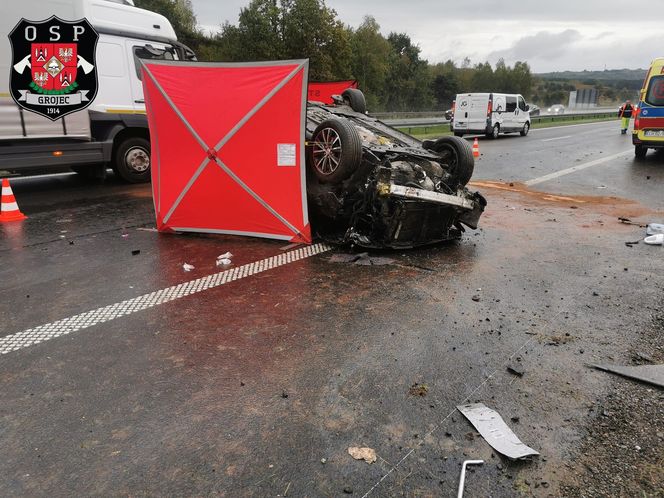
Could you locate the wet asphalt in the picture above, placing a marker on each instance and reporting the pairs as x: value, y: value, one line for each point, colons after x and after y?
x: 258, y: 387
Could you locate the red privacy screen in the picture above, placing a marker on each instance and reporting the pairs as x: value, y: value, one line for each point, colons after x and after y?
x: 228, y: 147
x: 323, y: 91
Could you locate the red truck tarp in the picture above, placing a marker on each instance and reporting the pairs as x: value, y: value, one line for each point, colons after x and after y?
x: 228, y: 147
x: 323, y: 91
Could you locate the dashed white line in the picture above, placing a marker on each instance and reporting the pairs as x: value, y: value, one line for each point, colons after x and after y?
x: 574, y: 169
x: 88, y: 319
x: 556, y: 138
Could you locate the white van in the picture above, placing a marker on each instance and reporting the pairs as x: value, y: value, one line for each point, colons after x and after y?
x: 490, y: 114
x: 113, y: 130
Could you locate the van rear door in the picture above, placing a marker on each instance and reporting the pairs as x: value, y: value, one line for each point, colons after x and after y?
x: 471, y: 111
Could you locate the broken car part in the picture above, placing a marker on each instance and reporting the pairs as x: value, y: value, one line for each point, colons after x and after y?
x: 495, y: 431
x: 462, y: 478
x: 651, y: 374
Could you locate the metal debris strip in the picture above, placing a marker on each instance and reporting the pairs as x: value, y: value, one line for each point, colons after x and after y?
x: 495, y: 431
x: 650, y: 374
x: 462, y: 478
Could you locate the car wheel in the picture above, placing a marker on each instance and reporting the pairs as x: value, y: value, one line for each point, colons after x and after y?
x: 457, y: 154
x: 355, y: 99
x: 132, y: 160
x: 640, y: 151
x: 495, y: 131
x: 336, y: 151
x: 526, y: 129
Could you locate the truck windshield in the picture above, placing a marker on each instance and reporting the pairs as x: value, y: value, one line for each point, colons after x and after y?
x: 153, y: 53
x: 655, y: 94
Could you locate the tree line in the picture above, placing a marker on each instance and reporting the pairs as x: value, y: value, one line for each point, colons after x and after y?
x: 389, y: 69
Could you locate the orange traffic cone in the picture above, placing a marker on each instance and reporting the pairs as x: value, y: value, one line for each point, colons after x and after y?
x: 476, y: 148
x: 9, y: 210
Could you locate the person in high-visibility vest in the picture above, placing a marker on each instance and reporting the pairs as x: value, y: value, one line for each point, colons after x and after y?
x: 625, y: 113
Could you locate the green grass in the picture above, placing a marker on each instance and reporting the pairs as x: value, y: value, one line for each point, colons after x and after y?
x: 435, y: 131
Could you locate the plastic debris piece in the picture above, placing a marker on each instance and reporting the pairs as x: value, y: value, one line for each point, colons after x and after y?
x: 224, y: 262
x: 495, y: 431
x: 366, y: 454
x: 135, y: 252
x: 651, y: 374
x: 462, y: 478
x: 654, y: 228
x: 226, y: 255
x: 187, y: 267
x: 655, y: 240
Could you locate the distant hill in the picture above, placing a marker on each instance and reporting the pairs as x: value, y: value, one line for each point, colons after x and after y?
x: 606, y: 75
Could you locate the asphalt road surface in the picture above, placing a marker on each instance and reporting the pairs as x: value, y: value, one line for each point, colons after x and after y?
x: 121, y: 378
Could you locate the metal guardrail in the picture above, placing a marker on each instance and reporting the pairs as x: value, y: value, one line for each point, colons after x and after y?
x: 547, y: 118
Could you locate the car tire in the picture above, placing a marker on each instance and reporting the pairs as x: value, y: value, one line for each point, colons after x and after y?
x: 132, y: 160
x: 526, y: 128
x: 355, y: 99
x: 495, y: 131
x: 640, y: 151
x: 332, y: 163
x: 458, y: 155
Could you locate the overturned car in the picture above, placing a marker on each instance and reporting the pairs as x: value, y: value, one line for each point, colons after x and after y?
x: 373, y: 186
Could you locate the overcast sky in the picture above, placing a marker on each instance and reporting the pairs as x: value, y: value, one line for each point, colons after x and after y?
x: 549, y: 35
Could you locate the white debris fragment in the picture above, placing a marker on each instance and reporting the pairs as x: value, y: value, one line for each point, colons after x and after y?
x: 224, y: 259
x: 366, y: 454
x: 188, y: 267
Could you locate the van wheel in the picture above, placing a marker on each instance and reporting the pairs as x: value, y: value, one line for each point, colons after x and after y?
x: 495, y: 131
x: 132, y: 160
x: 640, y: 151
x: 525, y: 130
x: 457, y: 154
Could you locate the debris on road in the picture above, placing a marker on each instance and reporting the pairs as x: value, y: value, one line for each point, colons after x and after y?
x: 224, y: 259
x: 650, y: 374
x: 187, y: 267
x: 627, y: 221
x: 655, y: 240
x: 366, y: 454
x: 630, y: 244
x: 516, y: 370
x: 135, y: 252
x: 495, y: 431
x: 462, y: 478
x: 362, y: 259
x: 654, y: 228
x: 476, y: 298
x: 418, y: 389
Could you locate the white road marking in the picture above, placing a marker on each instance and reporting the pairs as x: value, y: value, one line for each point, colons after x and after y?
x: 556, y: 138
x: 574, y: 169
x: 545, y: 128
x: 88, y: 319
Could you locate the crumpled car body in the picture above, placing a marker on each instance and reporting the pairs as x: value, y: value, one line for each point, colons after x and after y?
x: 373, y: 186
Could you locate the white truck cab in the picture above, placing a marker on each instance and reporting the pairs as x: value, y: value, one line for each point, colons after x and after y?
x: 490, y: 114
x: 113, y: 130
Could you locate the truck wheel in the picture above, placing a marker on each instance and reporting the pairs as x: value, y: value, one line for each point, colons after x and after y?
x: 640, y: 151
x: 335, y: 152
x: 526, y: 129
x: 457, y: 154
x: 355, y: 99
x: 132, y: 160
x: 495, y: 131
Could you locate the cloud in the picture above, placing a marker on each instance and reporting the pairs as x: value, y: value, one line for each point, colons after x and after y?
x: 542, y: 45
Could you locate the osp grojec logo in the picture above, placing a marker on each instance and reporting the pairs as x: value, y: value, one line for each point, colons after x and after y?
x: 53, y: 71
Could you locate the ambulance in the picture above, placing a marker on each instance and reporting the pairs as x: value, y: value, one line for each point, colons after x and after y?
x: 649, y: 121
